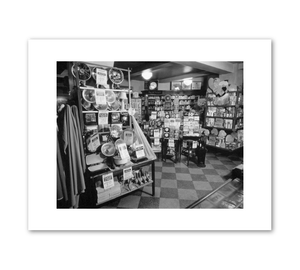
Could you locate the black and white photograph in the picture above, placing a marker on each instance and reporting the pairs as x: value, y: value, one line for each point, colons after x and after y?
x: 182, y: 153
x: 150, y: 138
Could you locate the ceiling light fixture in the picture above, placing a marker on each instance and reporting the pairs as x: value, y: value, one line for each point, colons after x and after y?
x: 146, y: 75
x: 187, y: 81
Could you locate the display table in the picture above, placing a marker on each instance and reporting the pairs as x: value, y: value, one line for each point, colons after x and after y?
x: 193, y: 151
x: 164, y: 150
x: 97, y: 176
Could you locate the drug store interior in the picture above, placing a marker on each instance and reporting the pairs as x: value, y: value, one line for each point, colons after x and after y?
x: 150, y: 135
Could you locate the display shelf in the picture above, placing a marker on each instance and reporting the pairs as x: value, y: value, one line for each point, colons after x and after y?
x: 135, y: 166
x: 124, y: 193
x: 104, y: 111
x: 225, y: 149
x: 219, y: 117
x: 225, y: 129
x: 95, y: 88
x: 233, y: 107
x: 221, y: 106
x: 98, y: 173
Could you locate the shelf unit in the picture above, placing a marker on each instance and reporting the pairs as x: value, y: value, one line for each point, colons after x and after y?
x: 227, y: 117
x: 92, y: 175
x: 95, y: 176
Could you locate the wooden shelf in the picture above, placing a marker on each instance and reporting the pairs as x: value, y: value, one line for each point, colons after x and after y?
x: 219, y: 117
x: 222, y: 106
x: 119, y: 171
x: 226, y: 129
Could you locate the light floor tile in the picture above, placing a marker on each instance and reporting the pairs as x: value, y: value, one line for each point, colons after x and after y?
x: 187, y: 194
x: 214, y: 178
x: 223, y: 172
x: 195, y: 171
x: 169, y: 183
x: 183, y: 176
x: 215, y: 161
x: 168, y: 170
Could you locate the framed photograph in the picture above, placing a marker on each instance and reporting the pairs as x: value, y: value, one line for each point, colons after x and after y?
x: 176, y: 85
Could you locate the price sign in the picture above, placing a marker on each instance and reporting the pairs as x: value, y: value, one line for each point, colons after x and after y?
x: 171, y: 143
x: 100, y: 97
x: 108, y: 180
x: 128, y: 137
x: 156, y: 141
x: 139, y: 151
x: 156, y: 133
x: 122, y: 148
x: 102, y: 118
x: 127, y: 173
x: 101, y: 76
x: 194, y: 144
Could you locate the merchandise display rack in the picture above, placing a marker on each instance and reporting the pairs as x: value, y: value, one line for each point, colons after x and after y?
x: 98, y: 174
x: 236, y: 120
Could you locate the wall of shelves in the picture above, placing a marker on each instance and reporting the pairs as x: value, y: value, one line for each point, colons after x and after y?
x: 224, y: 120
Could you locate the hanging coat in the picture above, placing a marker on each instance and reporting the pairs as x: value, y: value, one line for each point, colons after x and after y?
x: 73, y: 148
x: 61, y: 177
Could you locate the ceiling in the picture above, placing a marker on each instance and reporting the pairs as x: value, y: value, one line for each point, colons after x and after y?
x: 170, y: 71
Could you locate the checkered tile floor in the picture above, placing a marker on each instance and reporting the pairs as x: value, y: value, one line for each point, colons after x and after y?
x: 177, y: 186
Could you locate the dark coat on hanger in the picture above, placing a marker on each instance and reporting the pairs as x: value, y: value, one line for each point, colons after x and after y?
x: 72, y: 148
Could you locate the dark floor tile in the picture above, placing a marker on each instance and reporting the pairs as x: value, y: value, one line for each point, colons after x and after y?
x: 137, y: 192
x: 202, y: 193
x: 219, y: 167
x: 111, y: 204
x: 169, y: 203
x: 157, y: 182
x: 129, y: 201
x: 168, y: 164
x: 182, y: 170
x: 192, y: 165
x: 229, y: 162
x: 198, y: 177
x: 211, y: 157
x: 169, y: 193
x: 210, y: 172
x: 158, y: 169
x: 235, y: 158
x: 185, y: 184
x: 215, y: 185
x: 168, y: 175
x: 185, y: 203
x: 149, y: 202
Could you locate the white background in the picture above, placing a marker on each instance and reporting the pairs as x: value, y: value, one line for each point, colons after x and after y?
x: 43, y: 214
